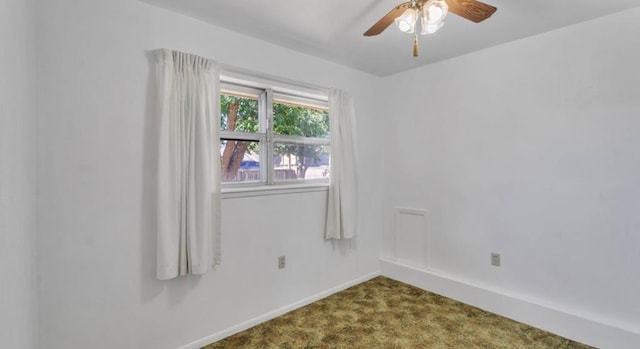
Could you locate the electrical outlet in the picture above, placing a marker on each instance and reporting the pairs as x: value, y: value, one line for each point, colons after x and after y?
x: 495, y: 259
x: 282, y: 262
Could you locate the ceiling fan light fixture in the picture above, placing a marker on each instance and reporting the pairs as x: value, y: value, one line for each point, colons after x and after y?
x: 431, y: 14
x: 407, y: 21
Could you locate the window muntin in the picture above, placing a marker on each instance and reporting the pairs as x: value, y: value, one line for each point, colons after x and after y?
x: 272, y: 137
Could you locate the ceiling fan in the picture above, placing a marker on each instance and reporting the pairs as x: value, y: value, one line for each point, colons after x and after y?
x: 431, y: 15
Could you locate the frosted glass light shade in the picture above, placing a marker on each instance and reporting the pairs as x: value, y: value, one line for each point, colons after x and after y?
x: 433, y: 14
x: 430, y: 28
x: 435, y: 11
x: 407, y: 21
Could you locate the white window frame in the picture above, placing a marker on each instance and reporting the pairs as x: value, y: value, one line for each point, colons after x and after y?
x: 268, y: 91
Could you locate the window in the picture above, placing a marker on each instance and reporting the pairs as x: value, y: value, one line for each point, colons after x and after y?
x: 272, y: 136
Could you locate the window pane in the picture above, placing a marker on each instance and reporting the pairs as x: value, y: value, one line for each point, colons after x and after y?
x: 297, y: 120
x: 239, y: 113
x: 296, y: 161
x: 240, y: 160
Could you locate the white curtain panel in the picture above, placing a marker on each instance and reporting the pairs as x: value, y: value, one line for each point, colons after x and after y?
x: 189, y: 164
x: 342, y: 205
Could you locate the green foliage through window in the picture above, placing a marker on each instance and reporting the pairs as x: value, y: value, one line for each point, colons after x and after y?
x: 247, y: 113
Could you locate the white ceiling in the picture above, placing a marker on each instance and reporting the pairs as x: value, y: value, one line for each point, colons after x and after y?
x: 332, y: 29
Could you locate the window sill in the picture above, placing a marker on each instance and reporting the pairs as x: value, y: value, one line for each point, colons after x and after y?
x: 230, y: 193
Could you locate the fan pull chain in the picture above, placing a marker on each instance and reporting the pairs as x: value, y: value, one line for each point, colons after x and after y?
x: 415, y: 45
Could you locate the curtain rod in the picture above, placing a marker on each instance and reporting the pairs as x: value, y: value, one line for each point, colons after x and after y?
x: 252, y: 73
x: 276, y: 79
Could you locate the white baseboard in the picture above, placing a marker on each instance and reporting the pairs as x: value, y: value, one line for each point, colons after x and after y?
x: 273, y: 314
x: 570, y: 326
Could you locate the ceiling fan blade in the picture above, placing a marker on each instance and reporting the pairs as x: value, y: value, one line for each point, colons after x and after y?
x: 385, y: 21
x: 472, y: 10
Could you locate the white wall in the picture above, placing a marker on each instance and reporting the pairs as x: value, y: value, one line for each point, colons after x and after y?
x: 18, y: 311
x: 96, y: 180
x: 530, y: 149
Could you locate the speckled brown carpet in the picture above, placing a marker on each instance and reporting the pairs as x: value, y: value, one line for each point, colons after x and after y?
x: 387, y: 314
